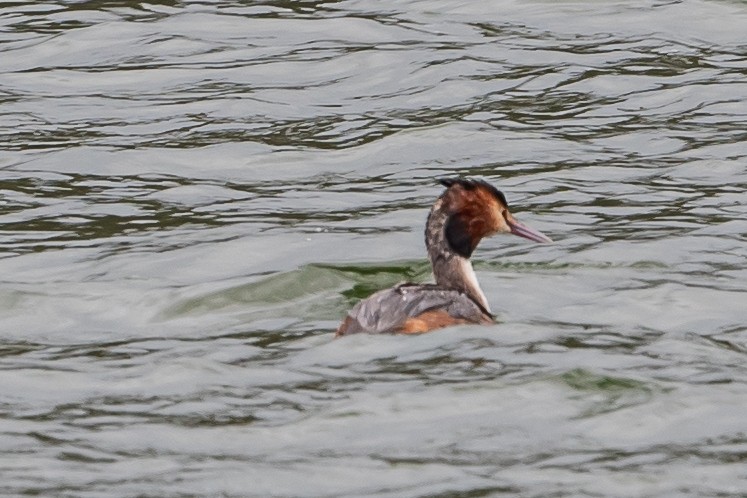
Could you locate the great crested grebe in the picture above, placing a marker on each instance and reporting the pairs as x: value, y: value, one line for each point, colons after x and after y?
x: 465, y: 213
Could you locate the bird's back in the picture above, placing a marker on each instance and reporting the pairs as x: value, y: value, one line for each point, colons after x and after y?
x: 412, y: 308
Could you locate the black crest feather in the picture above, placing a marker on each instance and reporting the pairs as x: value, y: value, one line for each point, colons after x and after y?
x: 468, y: 184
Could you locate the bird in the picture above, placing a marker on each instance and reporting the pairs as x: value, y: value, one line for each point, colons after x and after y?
x: 465, y: 213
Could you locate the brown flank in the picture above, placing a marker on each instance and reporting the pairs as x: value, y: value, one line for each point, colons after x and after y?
x: 429, y: 320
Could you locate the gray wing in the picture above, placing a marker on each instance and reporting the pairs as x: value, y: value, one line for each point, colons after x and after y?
x: 387, y: 310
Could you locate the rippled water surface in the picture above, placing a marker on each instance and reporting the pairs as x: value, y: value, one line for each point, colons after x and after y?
x: 192, y: 194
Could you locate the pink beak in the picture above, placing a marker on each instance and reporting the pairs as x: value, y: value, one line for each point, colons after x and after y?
x: 528, y: 233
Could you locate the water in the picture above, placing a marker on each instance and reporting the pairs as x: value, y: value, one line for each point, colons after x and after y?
x: 193, y: 193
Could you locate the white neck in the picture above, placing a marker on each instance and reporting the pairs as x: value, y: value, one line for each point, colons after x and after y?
x: 471, y: 283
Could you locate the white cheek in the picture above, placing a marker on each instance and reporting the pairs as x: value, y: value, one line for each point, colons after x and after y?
x: 502, y: 226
